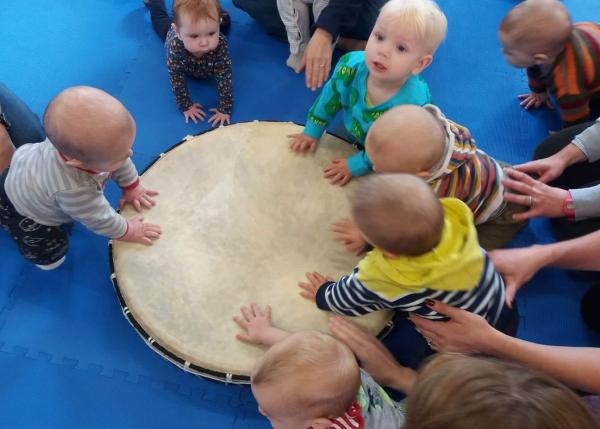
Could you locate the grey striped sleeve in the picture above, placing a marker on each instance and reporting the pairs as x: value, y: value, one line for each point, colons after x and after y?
x: 126, y: 174
x: 589, y: 141
x: 88, y: 206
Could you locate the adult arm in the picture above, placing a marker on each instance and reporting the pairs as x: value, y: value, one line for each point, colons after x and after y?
x: 7, y: 148
x: 372, y: 355
x: 338, y: 13
x: 465, y: 332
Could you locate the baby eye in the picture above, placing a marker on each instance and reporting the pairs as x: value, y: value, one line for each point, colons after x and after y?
x: 193, y: 36
x: 379, y: 36
x: 212, y: 33
x: 401, y: 48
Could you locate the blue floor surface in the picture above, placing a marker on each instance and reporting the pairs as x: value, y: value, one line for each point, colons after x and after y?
x: 68, y: 358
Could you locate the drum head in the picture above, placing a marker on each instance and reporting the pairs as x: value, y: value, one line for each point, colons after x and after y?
x: 243, y: 220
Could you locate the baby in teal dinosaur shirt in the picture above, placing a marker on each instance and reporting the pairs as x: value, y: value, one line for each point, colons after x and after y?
x: 366, y: 84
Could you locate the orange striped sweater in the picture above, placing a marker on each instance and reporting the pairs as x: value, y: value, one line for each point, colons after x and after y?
x: 574, y: 78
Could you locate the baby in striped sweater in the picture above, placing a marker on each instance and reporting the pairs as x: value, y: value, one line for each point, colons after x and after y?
x: 423, y: 249
x: 562, y: 58
x: 60, y: 180
x: 422, y: 141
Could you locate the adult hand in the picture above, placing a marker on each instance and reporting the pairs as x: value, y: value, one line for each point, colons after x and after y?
x: 372, y: 355
x: 138, y: 197
x: 300, y: 143
x: 315, y: 281
x: 517, y: 266
x: 346, y: 232
x: 141, y: 232
x: 316, y: 61
x: 546, y: 169
x: 465, y: 332
x: 542, y: 200
x: 194, y: 113
x: 535, y: 99
x: 337, y: 172
x: 219, y: 118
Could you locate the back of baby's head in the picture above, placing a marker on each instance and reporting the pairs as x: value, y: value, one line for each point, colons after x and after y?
x: 537, y: 26
x: 456, y: 391
x: 195, y: 10
x: 312, y: 372
x: 421, y: 19
x: 86, y: 123
x: 406, y: 139
x: 398, y: 213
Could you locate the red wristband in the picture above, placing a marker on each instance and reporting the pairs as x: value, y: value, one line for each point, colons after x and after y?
x: 568, y: 206
x: 134, y: 185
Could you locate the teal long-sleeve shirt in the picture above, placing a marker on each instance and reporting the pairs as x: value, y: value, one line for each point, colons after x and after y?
x: 347, y: 91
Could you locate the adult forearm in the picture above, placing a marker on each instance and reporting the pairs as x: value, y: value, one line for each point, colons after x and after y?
x: 578, y: 367
x: 581, y: 253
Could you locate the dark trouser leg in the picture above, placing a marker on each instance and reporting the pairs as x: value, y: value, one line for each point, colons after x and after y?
x: 576, y: 176
x: 265, y: 13
x: 366, y: 21
x: 590, y: 307
x: 161, y: 21
x: 40, y: 244
x: 25, y: 126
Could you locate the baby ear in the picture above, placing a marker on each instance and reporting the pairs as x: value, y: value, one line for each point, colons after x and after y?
x: 540, y: 58
x: 422, y: 64
x: 321, y: 423
x: 72, y: 162
x: 424, y: 175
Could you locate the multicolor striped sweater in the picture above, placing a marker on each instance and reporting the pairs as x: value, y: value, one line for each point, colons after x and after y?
x: 347, y: 91
x: 467, y: 173
x: 574, y: 77
x: 457, y: 271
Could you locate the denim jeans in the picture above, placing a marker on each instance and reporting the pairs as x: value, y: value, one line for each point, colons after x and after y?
x: 24, y: 125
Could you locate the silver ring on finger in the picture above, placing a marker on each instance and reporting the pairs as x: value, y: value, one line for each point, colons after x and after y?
x: 530, y: 201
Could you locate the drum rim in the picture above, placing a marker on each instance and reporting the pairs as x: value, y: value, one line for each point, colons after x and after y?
x: 159, y: 348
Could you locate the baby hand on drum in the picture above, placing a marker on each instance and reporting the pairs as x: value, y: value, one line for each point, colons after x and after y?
x: 138, y: 197
x: 219, y: 118
x: 141, y: 232
x: 315, y: 281
x: 257, y: 326
x: 302, y: 143
x: 338, y: 172
x: 346, y: 232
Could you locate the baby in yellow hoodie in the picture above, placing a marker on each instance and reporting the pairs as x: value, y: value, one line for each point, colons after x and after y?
x: 424, y: 248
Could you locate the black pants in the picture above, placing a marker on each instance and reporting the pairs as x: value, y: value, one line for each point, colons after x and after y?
x: 161, y: 21
x: 40, y: 244
x: 579, y: 175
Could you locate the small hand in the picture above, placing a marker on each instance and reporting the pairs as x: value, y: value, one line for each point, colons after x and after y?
x: 535, y: 99
x: 141, y: 232
x: 302, y: 143
x: 317, y: 59
x: 219, y: 118
x: 337, y: 172
x: 138, y: 197
x: 346, y: 232
x: 542, y: 200
x: 315, y: 281
x: 194, y: 113
x: 254, y: 322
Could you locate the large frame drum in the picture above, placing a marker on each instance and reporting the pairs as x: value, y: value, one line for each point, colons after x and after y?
x: 243, y: 219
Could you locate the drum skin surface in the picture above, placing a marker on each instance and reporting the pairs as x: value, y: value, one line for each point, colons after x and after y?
x: 243, y: 220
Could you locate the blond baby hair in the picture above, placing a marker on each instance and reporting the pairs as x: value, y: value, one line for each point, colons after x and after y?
x: 422, y: 18
x: 313, y: 372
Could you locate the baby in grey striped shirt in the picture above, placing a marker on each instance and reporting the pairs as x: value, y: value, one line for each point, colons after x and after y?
x: 60, y: 180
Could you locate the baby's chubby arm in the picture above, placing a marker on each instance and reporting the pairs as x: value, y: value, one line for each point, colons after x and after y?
x: 134, y: 193
x: 257, y: 327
